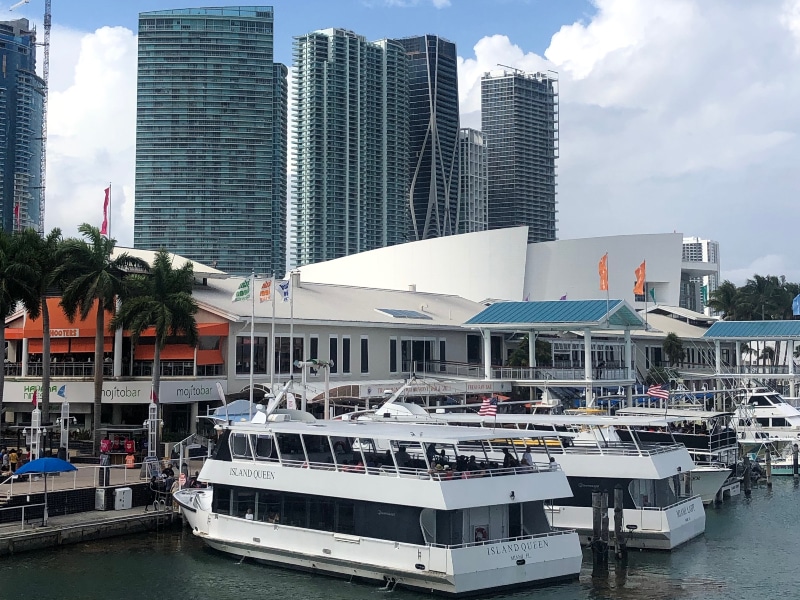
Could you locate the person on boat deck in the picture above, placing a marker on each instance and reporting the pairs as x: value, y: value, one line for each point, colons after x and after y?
x: 442, y: 460
x: 273, y: 518
x: 472, y: 465
x: 402, y: 457
x: 249, y: 514
x: 507, y: 459
x: 527, y: 458
x: 431, y: 453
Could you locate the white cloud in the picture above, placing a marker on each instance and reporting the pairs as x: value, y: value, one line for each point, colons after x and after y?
x: 674, y: 115
x: 91, y: 130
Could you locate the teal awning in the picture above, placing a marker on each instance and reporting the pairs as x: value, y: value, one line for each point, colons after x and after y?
x: 752, y: 330
x: 559, y: 315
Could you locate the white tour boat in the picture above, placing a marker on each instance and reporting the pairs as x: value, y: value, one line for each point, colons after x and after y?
x: 710, y: 438
x: 659, y: 511
x: 383, y: 503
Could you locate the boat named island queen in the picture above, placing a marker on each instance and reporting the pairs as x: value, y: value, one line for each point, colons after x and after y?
x: 420, y: 507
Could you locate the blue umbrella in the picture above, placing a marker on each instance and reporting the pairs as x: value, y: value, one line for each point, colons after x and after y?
x: 45, y: 466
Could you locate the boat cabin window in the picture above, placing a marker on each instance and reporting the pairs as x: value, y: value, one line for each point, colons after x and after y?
x: 652, y: 493
x: 779, y: 422
x: 240, y: 445
x: 264, y: 447
x: 242, y: 501
x: 290, y: 446
x: 318, y: 449
x: 761, y: 401
x: 409, y: 455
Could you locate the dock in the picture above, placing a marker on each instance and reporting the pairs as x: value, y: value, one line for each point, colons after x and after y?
x: 79, y: 509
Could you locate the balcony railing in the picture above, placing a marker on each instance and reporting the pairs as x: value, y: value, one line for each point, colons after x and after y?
x: 85, y: 370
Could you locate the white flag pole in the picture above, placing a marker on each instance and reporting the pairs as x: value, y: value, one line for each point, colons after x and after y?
x: 108, y: 214
x: 291, y: 329
x: 273, y: 292
x: 252, y: 338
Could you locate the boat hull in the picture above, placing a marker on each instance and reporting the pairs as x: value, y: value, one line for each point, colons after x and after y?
x: 655, y: 529
x: 453, y: 571
x: 707, y: 481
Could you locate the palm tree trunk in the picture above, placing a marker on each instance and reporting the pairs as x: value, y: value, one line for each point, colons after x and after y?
x: 98, y: 374
x: 45, y: 361
x: 156, y: 385
x: 2, y: 376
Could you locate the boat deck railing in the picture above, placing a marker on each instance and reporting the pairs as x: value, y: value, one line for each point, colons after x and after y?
x: 435, y: 474
x: 683, y: 500
x: 519, y: 539
x: 614, y: 448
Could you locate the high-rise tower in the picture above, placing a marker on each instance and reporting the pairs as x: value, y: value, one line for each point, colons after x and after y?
x: 351, y: 144
x: 474, y: 182
x: 519, y: 117
x: 433, y: 136
x: 21, y: 106
x: 211, y: 138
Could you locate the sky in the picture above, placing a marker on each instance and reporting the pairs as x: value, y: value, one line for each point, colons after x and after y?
x: 674, y: 115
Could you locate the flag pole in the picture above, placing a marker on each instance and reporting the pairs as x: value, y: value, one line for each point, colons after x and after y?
x: 252, y: 338
x: 272, y: 339
x: 108, y: 230
x: 608, y: 301
x: 291, y: 331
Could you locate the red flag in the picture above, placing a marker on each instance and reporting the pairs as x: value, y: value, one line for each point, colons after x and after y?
x: 602, y: 268
x: 16, y: 211
x: 638, y: 288
x: 153, y: 397
x: 35, y: 400
x: 104, y: 226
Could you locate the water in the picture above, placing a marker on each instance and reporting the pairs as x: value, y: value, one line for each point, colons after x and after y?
x: 749, y: 551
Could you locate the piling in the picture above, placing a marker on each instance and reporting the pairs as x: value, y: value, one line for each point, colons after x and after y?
x: 794, y: 461
x: 604, y: 523
x: 620, y: 545
x: 769, y: 469
x: 746, y: 476
x: 599, y: 549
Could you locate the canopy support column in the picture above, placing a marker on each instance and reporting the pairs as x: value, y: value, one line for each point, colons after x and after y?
x: 628, y: 368
x: 587, y: 366
x: 487, y: 353
x: 791, y: 369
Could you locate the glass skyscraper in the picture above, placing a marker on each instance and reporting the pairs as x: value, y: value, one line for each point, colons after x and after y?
x: 433, y: 136
x: 519, y: 119
x: 21, y: 106
x: 351, y: 144
x: 211, y: 138
x: 474, y: 182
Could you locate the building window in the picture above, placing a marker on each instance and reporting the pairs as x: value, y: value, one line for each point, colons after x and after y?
x: 474, y: 348
x: 345, y: 355
x: 393, y: 355
x: 313, y: 347
x: 442, y: 355
x: 259, y: 354
x: 333, y: 353
x: 365, y: 355
x: 283, y: 361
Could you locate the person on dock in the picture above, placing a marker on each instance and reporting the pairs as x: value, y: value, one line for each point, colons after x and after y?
x: 13, y: 459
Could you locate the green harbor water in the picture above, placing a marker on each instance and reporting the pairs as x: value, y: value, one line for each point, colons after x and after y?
x: 749, y: 551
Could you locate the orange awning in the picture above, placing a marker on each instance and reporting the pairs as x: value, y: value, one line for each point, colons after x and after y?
x: 209, y: 357
x: 87, y: 345
x: 58, y: 320
x: 58, y: 346
x: 209, y: 329
x: 170, y: 352
x: 35, y: 346
x: 17, y: 333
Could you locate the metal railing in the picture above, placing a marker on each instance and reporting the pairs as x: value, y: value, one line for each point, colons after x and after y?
x: 22, y: 510
x: 615, y: 448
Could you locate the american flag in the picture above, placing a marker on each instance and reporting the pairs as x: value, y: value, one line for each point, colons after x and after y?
x: 488, y: 407
x: 658, y: 391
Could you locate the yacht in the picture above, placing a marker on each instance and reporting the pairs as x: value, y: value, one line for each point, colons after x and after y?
x: 710, y: 438
x: 660, y: 510
x: 388, y: 503
x: 768, y: 412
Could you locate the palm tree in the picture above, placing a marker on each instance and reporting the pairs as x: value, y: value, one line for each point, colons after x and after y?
x: 93, y: 277
x: 763, y: 295
x: 44, y: 257
x: 673, y: 348
x: 15, y: 285
x: 163, y: 300
x: 725, y: 300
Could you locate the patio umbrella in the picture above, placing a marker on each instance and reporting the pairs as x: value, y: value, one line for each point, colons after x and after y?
x: 45, y: 466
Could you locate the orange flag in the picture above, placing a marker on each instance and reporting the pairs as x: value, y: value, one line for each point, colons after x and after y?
x: 638, y: 287
x: 602, y: 268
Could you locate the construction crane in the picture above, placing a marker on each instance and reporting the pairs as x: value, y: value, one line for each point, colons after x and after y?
x: 46, y: 77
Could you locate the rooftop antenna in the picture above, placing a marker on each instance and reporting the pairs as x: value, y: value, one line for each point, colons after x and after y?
x: 515, y: 69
